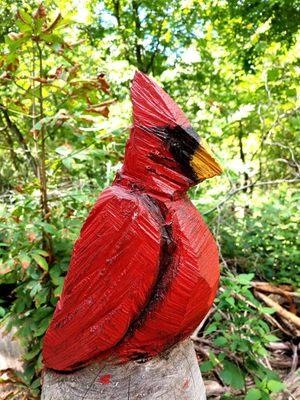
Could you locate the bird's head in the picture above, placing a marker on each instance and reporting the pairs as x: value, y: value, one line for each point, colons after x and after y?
x: 163, y: 146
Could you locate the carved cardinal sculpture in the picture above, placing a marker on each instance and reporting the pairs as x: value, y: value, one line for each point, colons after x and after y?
x: 144, y: 271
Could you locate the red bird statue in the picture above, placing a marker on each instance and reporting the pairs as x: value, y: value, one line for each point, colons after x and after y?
x: 144, y: 271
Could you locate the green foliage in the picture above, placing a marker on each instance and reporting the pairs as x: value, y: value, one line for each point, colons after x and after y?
x: 276, y: 257
x: 240, y: 338
x: 37, y: 286
x: 234, y: 68
x: 53, y: 111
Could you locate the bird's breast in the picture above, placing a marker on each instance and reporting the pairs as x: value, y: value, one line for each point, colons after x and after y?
x: 186, y: 286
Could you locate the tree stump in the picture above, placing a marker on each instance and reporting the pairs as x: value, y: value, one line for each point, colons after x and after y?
x: 174, y: 374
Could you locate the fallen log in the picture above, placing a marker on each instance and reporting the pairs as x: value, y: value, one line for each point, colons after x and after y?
x: 270, y: 288
x: 287, y: 315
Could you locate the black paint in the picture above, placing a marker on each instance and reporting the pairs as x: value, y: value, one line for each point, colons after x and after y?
x: 182, y: 143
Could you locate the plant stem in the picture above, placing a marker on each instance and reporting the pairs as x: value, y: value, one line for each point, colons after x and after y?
x: 42, y: 176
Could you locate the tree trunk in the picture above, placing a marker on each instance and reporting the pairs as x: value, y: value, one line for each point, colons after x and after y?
x: 174, y: 374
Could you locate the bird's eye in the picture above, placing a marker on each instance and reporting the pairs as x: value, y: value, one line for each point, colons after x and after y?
x: 174, y: 144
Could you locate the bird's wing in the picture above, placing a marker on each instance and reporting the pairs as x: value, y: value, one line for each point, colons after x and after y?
x: 113, y: 270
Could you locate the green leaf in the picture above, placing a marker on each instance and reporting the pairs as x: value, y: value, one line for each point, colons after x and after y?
x: 41, y: 297
x: 49, y: 228
x: 29, y: 355
x: 245, y: 279
x: 40, y: 261
x: 64, y: 150
x: 272, y: 338
x: 230, y: 300
x: 41, y: 252
x: 206, y: 366
x: 35, y: 289
x: 41, y: 313
x: 24, y: 17
x: 211, y: 328
x: 19, y: 306
x: 253, y: 394
x: 267, y: 310
x: 16, y: 44
x: 25, y: 260
x: 232, y: 375
x: 58, y: 281
x: 273, y: 74
x: 43, y: 325
x: 220, y: 341
x: 69, y: 163
x: 244, y: 345
x: 23, y: 27
x: 275, y: 386
x: 55, y: 271
x: 35, y: 384
x: 58, y: 290
x: 39, y: 363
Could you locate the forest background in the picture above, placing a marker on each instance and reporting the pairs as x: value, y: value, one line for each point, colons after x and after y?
x: 233, y: 66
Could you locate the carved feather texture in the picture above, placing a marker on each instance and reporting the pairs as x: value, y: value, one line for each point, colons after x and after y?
x: 144, y: 271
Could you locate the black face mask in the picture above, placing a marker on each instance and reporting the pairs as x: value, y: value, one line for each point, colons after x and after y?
x: 181, y: 142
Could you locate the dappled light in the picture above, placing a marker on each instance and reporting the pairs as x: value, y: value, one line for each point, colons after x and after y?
x: 65, y: 115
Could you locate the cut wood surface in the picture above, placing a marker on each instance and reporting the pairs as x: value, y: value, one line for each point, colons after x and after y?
x: 174, y: 374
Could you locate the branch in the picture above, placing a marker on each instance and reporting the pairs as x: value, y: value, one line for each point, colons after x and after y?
x: 10, y: 143
x: 47, y: 239
x: 294, y: 164
x: 13, y: 154
x: 292, y: 318
x: 155, y: 49
x: 117, y: 15
x: 268, y: 317
x: 254, y: 184
x: 16, y: 132
x: 242, y: 155
x: 266, y: 135
x: 138, y: 47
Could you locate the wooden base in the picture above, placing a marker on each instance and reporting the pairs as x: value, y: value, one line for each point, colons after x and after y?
x: 174, y: 374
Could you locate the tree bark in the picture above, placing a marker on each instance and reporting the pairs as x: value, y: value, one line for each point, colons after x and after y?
x: 138, y: 46
x: 12, y: 127
x: 175, y: 374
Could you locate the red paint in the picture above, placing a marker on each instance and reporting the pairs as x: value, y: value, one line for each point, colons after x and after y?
x: 194, y: 274
x: 152, y: 106
x: 144, y: 271
x: 186, y: 384
x: 105, y: 379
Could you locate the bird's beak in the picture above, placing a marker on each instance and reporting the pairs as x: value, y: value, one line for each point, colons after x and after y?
x: 204, y: 164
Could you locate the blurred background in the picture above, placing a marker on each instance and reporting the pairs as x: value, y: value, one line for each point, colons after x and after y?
x: 233, y: 67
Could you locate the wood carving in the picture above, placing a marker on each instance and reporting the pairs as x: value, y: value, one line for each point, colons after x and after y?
x: 144, y: 271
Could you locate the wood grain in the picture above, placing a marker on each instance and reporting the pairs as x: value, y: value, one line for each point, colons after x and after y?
x: 174, y: 374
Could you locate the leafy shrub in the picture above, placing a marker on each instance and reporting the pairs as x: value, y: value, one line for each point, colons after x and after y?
x: 262, y: 236
x: 34, y: 286
x: 239, y: 338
